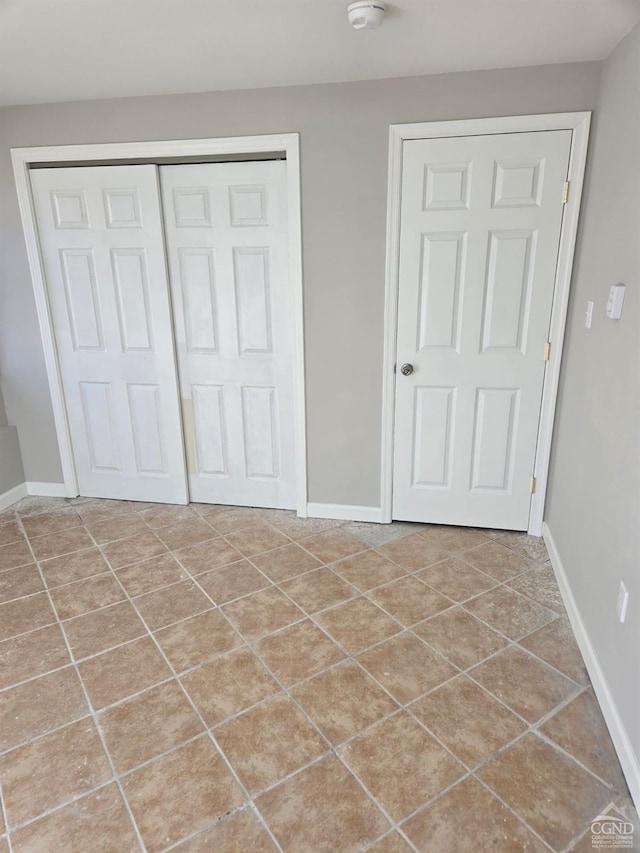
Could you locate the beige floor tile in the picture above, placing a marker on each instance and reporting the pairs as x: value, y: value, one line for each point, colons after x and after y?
x: 207, y: 555
x: 150, y: 575
x: 392, y: 842
x: 368, y: 570
x: 262, y: 613
x: 25, y: 614
x: 171, y: 604
x: 80, y: 597
x: 186, y: 533
x: 406, y: 667
x: 63, y: 542
x: 269, y: 742
x: 286, y: 562
x: 256, y: 539
x: 300, y: 528
x: 231, y: 519
x: 548, y: 790
x: 467, y: 818
x: 529, y: 687
x: 580, y: 729
x: 39, y: 706
x: 509, y: 612
x: 230, y: 582
x: 66, y: 829
x: 321, y: 808
x: 540, y: 584
x: 497, y: 560
x: 400, y: 764
x: 532, y: 547
x: 456, y: 579
x: 413, y: 552
x: 16, y: 583
x: 121, y: 672
x: 343, y: 700
x: 470, y: 722
x: 298, y: 652
x: 147, y: 725
x: 556, y: 644
x: 196, y: 640
x: 454, y: 539
x: 99, y: 510
x: 358, y: 624
x: 35, y: 653
x: 162, y: 515
x: 103, y: 629
x: 460, y: 637
x: 240, y: 831
x: 119, y: 527
x: 15, y: 554
x: 73, y: 567
x: 180, y: 793
x: 133, y: 549
x: 409, y: 600
x: 318, y: 590
x: 332, y: 545
x: 9, y: 532
x: 51, y: 521
x: 48, y: 772
x: 240, y: 681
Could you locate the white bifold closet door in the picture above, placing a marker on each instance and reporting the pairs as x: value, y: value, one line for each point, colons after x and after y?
x: 102, y: 247
x: 226, y: 231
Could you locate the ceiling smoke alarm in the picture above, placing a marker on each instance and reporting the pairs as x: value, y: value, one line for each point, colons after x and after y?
x: 366, y: 14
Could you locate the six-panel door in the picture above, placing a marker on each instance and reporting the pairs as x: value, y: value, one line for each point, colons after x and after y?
x: 479, y: 236
x: 102, y: 246
x: 226, y: 233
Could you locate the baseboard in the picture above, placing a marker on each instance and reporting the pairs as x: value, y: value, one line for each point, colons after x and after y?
x: 346, y: 512
x: 47, y: 490
x: 629, y: 761
x: 13, y: 495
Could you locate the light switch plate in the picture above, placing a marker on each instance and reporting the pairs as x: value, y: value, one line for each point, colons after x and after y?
x: 614, y: 303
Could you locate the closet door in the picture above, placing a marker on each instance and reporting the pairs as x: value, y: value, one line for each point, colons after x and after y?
x: 102, y: 247
x: 226, y: 231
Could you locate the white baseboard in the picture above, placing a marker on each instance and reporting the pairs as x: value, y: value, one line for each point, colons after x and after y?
x: 13, y: 495
x: 629, y: 761
x: 48, y: 490
x: 346, y: 512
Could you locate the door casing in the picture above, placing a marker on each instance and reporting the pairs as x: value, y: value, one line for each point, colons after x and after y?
x: 126, y: 152
x: 578, y: 123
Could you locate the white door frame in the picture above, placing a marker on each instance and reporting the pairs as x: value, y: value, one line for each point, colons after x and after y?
x: 578, y: 123
x: 111, y: 153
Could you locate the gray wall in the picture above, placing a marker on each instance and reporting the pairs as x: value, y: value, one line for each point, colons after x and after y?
x: 11, y: 472
x: 593, y: 511
x: 344, y: 138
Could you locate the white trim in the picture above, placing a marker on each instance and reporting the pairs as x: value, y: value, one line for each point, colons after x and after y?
x: 289, y: 143
x: 347, y: 512
x: 629, y: 761
x: 13, y: 496
x: 49, y: 490
x: 578, y: 123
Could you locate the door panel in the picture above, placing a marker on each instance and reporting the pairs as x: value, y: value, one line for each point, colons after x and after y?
x: 102, y: 247
x: 479, y: 235
x: 226, y: 228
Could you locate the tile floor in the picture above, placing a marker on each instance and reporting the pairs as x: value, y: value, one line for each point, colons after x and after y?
x: 209, y: 678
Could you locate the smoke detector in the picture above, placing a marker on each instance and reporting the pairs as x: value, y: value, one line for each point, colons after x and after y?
x: 366, y: 14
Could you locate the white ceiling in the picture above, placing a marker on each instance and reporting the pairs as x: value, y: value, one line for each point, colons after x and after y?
x: 60, y: 50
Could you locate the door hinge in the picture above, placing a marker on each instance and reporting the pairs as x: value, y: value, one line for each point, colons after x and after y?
x: 547, y: 351
x: 565, y: 192
x: 533, y: 485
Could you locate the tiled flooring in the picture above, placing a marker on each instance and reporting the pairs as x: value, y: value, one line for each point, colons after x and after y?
x: 209, y: 678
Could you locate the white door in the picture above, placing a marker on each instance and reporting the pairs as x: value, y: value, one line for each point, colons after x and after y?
x: 102, y: 247
x: 479, y: 236
x: 226, y: 231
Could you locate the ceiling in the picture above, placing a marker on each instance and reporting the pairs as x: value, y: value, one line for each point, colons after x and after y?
x: 61, y: 50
